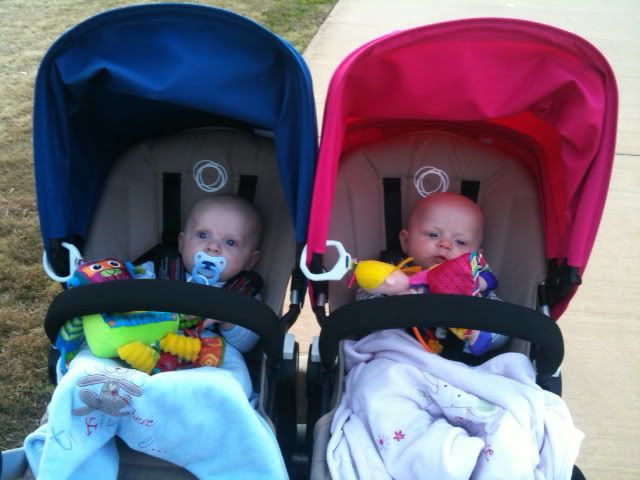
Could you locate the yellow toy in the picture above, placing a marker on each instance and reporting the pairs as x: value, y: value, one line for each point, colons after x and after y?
x: 467, y: 274
x: 381, y: 278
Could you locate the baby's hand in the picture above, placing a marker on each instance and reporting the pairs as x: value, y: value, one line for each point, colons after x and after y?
x: 223, y: 325
x: 411, y: 291
x: 209, y: 322
x: 473, y: 336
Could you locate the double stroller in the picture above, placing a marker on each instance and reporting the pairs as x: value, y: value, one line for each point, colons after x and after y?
x: 521, y: 117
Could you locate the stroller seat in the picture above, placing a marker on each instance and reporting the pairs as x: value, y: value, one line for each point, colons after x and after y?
x: 130, y: 217
x: 358, y: 214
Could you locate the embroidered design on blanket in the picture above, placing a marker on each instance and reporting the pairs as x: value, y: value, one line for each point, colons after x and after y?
x: 114, y: 398
x: 476, y: 416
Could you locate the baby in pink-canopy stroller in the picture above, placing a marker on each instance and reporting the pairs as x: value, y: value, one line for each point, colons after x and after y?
x: 442, y: 239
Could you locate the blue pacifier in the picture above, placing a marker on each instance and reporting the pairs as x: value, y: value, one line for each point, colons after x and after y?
x: 207, y: 268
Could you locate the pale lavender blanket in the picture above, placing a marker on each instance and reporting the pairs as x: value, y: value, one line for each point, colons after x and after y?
x: 408, y: 414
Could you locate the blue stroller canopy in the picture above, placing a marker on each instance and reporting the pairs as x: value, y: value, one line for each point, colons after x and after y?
x: 144, y: 71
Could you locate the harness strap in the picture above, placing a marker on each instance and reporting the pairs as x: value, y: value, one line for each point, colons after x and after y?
x: 247, y: 187
x: 470, y: 189
x: 171, y: 208
x: 246, y: 282
x: 392, y: 212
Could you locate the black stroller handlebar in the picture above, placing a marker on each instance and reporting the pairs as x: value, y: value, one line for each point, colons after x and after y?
x: 449, y: 311
x: 168, y: 296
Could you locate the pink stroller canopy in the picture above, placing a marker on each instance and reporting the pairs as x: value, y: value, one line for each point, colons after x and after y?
x: 538, y: 85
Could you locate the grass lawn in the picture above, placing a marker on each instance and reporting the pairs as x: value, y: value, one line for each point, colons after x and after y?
x: 27, y: 29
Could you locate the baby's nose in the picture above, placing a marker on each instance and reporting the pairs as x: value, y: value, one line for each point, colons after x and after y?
x: 445, y: 243
x: 213, y: 246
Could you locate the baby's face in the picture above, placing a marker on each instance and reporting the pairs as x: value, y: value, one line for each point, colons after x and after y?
x: 220, y: 231
x: 442, y: 228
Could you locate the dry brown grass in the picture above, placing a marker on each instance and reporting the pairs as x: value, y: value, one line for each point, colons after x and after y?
x: 27, y: 29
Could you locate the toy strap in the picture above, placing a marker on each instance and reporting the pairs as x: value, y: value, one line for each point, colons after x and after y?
x: 431, y: 345
x: 408, y: 270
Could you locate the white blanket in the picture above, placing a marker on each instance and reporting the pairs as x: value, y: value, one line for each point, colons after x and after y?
x: 407, y: 414
x: 199, y: 419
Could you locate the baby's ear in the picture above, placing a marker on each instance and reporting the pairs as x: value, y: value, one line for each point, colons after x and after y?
x: 404, y: 239
x: 180, y: 241
x: 255, y: 256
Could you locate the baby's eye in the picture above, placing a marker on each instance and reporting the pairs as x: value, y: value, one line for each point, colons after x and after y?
x: 202, y: 235
x: 231, y: 243
x: 432, y: 234
x: 461, y: 243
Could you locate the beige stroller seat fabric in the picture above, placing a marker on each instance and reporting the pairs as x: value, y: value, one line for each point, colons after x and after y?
x: 128, y: 221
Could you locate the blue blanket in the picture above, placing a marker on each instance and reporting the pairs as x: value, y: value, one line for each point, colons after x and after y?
x: 199, y: 419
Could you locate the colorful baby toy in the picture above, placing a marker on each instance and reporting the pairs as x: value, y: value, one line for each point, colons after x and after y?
x: 467, y: 274
x: 383, y: 278
x: 148, y: 341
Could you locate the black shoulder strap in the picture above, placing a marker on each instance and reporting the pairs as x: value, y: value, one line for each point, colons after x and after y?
x: 470, y: 189
x: 392, y: 212
x: 171, y: 208
x: 165, y: 256
x: 247, y: 187
x: 168, y: 264
x: 246, y: 282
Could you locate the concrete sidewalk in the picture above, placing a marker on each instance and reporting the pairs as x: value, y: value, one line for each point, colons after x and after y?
x: 602, y: 326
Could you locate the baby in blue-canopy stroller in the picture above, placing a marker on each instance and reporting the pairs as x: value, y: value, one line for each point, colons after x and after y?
x: 139, y: 114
